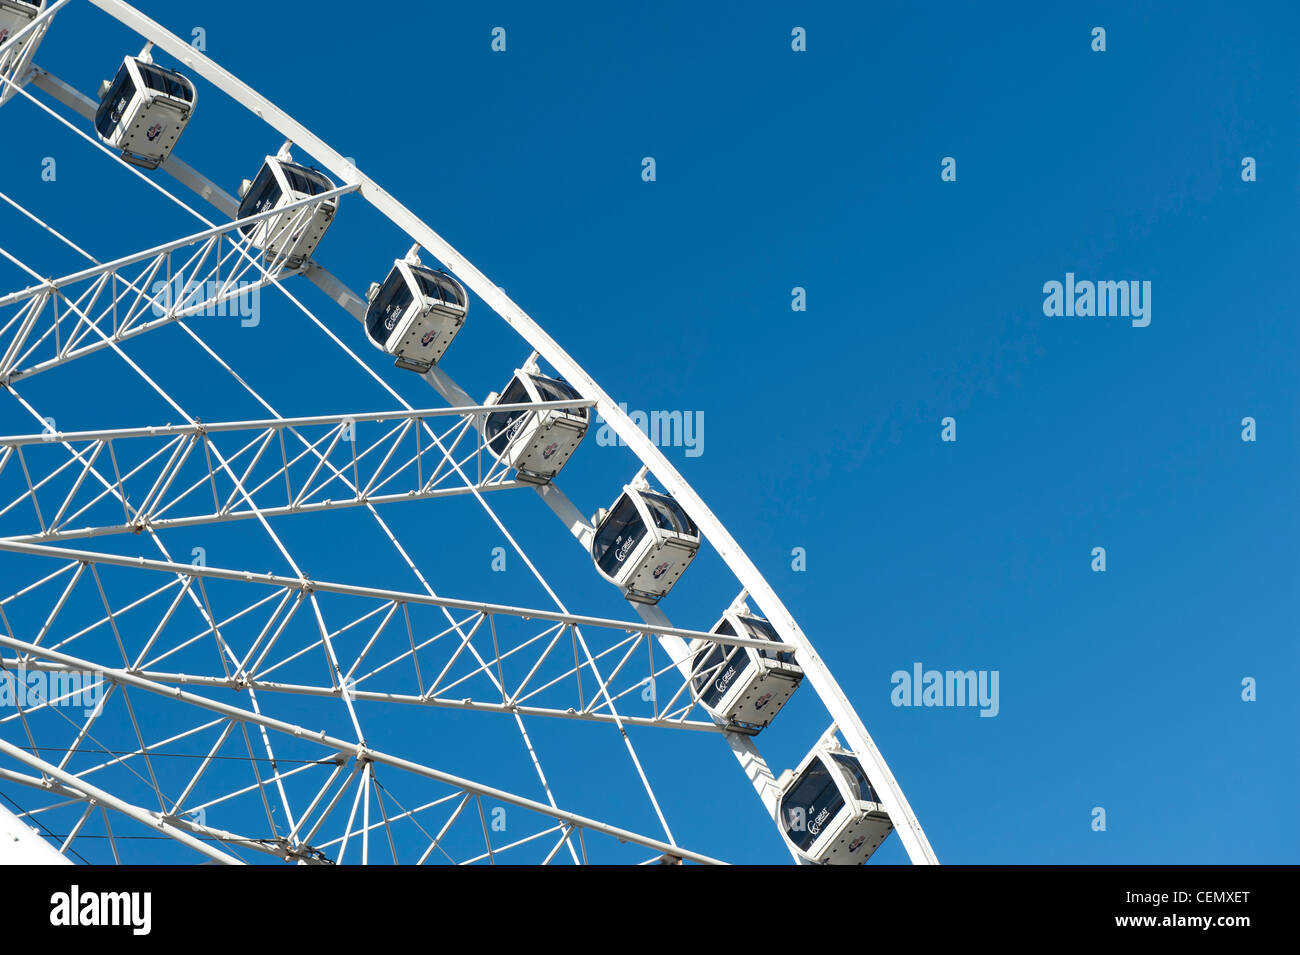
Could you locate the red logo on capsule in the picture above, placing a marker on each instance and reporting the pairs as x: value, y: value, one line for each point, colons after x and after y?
x: 661, y: 570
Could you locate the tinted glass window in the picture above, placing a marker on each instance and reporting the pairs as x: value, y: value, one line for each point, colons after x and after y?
x: 450, y: 293
x: 164, y: 81
x: 440, y: 288
x: 298, y: 182
x: 719, y: 668
x: 760, y: 629
x: 500, y: 424
x: 115, y: 103
x: 857, y: 777
x: 668, y: 515
x: 388, y: 306
x: 304, y: 180
x: 617, y: 536
x: 811, y: 805
x: 663, y: 517
x: 552, y: 389
x: 428, y: 285
x: 152, y: 78
x: 262, y: 196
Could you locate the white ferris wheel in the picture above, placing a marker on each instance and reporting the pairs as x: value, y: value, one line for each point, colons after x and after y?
x: 164, y: 702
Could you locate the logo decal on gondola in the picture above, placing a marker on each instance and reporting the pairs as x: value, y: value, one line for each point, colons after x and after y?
x: 725, y: 681
x: 762, y: 701
x: 154, y: 131
x: 394, y: 313
x: 857, y: 843
x: 624, y: 549
x: 549, y: 450
x: 816, y: 826
x: 661, y: 570
x: 429, y: 336
x: 4, y: 34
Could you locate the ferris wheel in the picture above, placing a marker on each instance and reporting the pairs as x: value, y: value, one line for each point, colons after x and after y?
x: 155, y: 707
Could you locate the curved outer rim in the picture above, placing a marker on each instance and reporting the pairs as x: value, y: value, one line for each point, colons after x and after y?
x: 816, y: 673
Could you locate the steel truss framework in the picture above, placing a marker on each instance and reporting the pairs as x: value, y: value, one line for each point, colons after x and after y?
x: 171, y: 477
x: 63, y: 319
x: 406, y: 645
x: 287, y: 645
x: 17, y: 51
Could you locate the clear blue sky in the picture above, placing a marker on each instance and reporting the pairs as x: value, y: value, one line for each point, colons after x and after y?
x: 819, y: 169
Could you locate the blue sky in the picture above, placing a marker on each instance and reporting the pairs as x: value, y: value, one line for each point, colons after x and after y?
x: 817, y: 169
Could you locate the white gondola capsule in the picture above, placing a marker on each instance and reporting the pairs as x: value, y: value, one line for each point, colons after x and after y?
x: 144, y: 110
x: 295, y: 234
x: 415, y: 313
x: 14, y: 16
x: 743, y: 685
x: 828, y: 811
x: 644, y: 542
x: 537, y: 444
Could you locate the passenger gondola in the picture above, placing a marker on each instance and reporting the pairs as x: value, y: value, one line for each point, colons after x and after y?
x: 644, y: 542
x: 14, y: 16
x: 828, y: 811
x: 415, y: 313
x: 537, y: 444
x: 143, y: 111
x: 292, y: 235
x: 744, y: 686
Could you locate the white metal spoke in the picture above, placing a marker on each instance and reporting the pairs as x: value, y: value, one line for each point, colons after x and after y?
x: 510, y: 646
x: 361, y: 755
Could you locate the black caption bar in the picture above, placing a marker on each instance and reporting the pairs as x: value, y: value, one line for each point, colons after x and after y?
x: 139, y: 905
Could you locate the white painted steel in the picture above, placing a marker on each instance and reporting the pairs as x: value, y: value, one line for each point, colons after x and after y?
x: 21, y: 843
x: 817, y: 674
